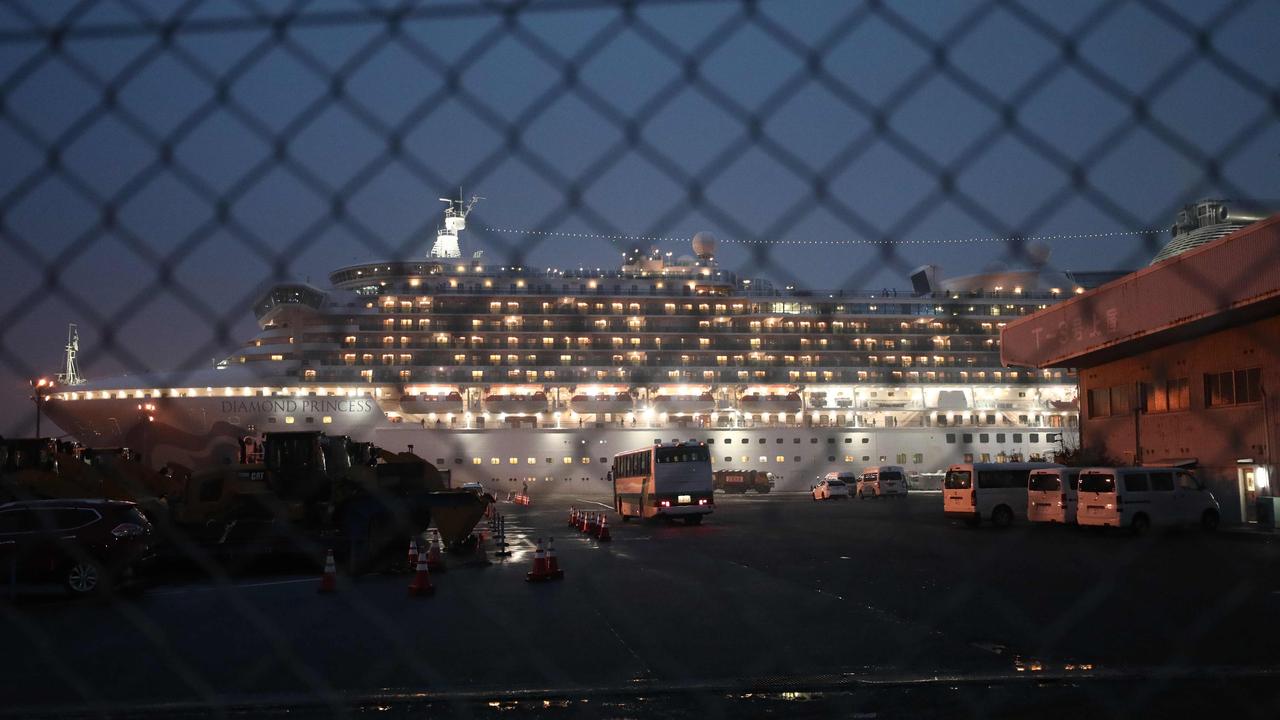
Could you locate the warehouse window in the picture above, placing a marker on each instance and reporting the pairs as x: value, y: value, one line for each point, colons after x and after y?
x: 1233, y: 388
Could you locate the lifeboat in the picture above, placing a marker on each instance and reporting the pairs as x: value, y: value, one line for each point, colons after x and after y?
x: 701, y: 403
x: 603, y: 403
x: 771, y: 403
x: 426, y: 404
x: 1068, y: 405
x: 516, y: 404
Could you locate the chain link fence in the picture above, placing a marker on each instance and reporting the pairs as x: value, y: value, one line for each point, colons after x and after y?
x: 168, y: 162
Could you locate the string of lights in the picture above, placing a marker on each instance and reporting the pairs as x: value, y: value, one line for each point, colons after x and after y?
x: 847, y: 241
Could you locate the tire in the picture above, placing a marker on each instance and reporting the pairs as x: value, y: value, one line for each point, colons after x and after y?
x: 1209, y: 520
x: 1140, y: 524
x: 693, y: 520
x: 1002, y: 516
x: 85, y: 577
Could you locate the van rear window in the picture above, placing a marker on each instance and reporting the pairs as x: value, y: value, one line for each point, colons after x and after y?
x: 958, y: 480
x: 1097, y: 482
x: 891, y: 476
x: 1044, y: 482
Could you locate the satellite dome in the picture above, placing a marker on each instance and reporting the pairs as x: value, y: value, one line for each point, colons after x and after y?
x: 1038, y: 252
x: 704, y: 245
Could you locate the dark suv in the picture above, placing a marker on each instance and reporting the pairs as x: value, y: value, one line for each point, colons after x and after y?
x: 86, y: 546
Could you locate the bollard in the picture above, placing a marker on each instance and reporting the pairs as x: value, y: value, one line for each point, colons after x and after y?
x: 502, y: 537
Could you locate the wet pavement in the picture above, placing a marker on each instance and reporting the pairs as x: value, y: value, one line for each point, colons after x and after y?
x: 776, y: 605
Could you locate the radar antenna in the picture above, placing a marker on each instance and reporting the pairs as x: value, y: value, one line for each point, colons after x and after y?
x: 455, y: 219
x: 70, y: 374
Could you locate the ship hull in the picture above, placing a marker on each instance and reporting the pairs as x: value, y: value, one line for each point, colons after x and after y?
x: 197, y: 432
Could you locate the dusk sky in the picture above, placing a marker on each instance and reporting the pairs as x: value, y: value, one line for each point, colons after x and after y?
x: 532, y: 110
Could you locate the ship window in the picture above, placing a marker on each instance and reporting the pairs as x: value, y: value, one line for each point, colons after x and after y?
x: 848, y: 458
x: 288, y: 420
x: 513, y: 461
x: 495, y: 461
x: 310, y: 420
x: 604, y: 460
x: 533, y: 461
x: 568, y: 460
x: 586, y: 461
x: 1034, y: 437
x: 326, y: 419
x: 476, y: 461
x: 271, y: 420
x: 831, y: 458
x: 813, y: 441
x: 848, y: 441
x: 999, y: 437
x: 1017, y: 437
x: 728, y: 458
x: 984, y: 437
x: 549, y: 461
x: 968, y: 437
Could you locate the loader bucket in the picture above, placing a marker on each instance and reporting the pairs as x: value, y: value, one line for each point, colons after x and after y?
x: 455, y: 513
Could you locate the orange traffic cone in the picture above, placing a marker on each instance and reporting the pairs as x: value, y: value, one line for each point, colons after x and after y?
x: 434, y: 559
x: 603, y: 533
x: 421, y: 582
x: 539, y: 572
x: 329, y: 580
x: 593, y: 523
x: 553, y: 565
x: 413, y: 554
x: 573, y: 516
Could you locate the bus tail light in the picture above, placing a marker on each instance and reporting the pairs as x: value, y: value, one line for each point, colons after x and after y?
x: 703, y: 501
x: 973, y: 499
x: 664, y: 503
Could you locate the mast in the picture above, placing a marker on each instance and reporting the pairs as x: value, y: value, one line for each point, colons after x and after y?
x: 455, y: 219
x: 70, y: 374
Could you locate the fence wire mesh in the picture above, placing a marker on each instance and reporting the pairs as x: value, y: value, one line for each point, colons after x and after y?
x: 167, y: 163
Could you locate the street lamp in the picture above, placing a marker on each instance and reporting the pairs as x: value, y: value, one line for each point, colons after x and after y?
x: 38, y: 390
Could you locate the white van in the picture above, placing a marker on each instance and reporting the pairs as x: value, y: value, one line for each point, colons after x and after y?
x: 1051, y: 495
x: 882, y: 480
x: 991, y: 491
x: 1139, y: 497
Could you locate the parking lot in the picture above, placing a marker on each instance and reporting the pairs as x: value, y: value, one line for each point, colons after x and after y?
x: 773, y: 591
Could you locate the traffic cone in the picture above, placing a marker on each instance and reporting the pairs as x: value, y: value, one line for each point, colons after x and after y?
x: 539, y: 572
x: 413, y: 554
x: 603, y: 533
x: 434, y: 560
x: 329, y: 580
x: 573, y: 516
x: 421, y: 582
x: 592, y: 523
x: 553, y: 565
x: 586, y: 523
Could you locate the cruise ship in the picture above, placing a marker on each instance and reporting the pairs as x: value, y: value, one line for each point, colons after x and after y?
x: 532, y: 379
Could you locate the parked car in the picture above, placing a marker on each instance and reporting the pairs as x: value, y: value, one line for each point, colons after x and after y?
x: 84, y: 546
x: 881, y: 481
x: 834, y: 485
x: 1051, y: 495
x: 1138, y: 498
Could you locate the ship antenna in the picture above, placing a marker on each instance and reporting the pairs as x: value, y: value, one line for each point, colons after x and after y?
x: 70, y: 374
x: 455, y: 220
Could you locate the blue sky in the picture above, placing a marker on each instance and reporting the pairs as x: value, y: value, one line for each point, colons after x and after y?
x: 920, y: 120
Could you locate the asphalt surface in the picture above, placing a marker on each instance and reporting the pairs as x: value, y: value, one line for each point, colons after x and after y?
x: 776, y: 605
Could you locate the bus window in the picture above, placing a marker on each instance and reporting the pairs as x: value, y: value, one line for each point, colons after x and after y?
x: 958, y: 480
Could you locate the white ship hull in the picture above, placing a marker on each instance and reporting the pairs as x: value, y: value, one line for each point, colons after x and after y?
x: 195, y: 431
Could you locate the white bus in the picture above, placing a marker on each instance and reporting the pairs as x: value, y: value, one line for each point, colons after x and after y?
x: 1140, y: 497
x: 667, y: 481
x: 988, y: 491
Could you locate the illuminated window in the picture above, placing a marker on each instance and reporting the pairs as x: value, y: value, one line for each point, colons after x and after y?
x: 477, y: 461
x: 495, y: 461
x: 568, y: 460
x: 780, y: 458
x: 277, y: 357
x: 513, y: 461
x: 326, y: 420
x: 288, y: 420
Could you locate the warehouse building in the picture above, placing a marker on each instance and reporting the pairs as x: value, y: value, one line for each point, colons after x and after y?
x: 1178, y: 363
